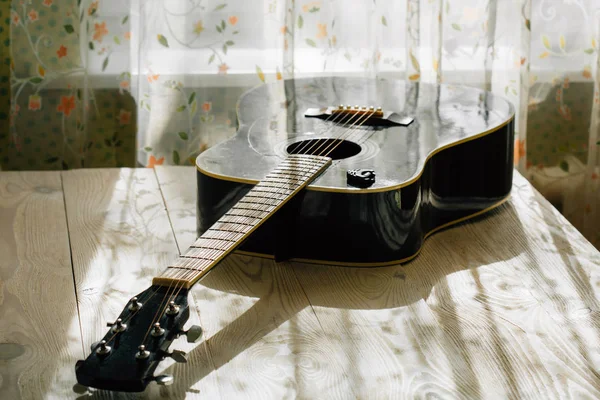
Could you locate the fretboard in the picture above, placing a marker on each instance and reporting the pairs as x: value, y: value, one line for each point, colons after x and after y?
x: 260, y: 203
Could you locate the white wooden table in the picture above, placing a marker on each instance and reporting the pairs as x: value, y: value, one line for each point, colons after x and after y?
x: 505, y: 306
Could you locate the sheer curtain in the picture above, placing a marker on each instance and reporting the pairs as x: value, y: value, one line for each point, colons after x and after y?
x: 150, y: 82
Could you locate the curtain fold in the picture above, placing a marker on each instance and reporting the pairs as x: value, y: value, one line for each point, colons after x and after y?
x: 148, y: 82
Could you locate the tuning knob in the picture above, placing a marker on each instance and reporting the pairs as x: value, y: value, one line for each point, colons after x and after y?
x: 157, y: 330
x: 193, y: 334
x: 134, y: 305
x: 178, y: 355
x: 164, y: 380
x: 142, y: 354
x: 103, y: 349
x: 173, y: 309
x: 118, y: 326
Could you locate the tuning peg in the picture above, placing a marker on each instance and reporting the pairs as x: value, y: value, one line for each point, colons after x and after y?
x: 142, y: 354
x: 94, y: 345
x: 134, y: 305
x: 178, y: 355
x: 193, y: 334
x: 164, y: 380
x: 173, y: 309
x: 103, y: 349
x: 118, y: 326
x: 157, y: 330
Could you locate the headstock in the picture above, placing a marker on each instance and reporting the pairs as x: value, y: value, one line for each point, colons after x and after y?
x: 152, y: 319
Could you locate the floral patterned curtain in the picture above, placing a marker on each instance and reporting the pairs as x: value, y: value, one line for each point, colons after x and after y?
x: 150, y: 82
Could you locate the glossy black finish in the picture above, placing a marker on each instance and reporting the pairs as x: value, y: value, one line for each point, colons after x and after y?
x: 453, y: 161
x: 120, y: 370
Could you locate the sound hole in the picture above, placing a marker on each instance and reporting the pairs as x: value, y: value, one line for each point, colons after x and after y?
x: 325, y: 147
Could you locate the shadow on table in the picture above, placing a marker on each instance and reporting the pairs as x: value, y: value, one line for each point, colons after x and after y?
x: 344, y: 288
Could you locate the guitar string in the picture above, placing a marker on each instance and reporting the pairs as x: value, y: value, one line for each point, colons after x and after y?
x: 184, y: 275
x: 193, y: 264
x: 337, y: 115
x: 348, y: 136
x: 316, y: 141
x: 174, y: 291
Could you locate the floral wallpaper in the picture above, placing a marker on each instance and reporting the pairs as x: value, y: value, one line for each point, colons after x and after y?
x: 155, y: 82
x: 56, y: 118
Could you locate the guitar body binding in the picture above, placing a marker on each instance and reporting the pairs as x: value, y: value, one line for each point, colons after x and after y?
x: 453, y: 162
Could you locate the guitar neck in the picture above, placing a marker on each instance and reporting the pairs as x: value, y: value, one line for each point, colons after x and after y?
x: 259, y: 204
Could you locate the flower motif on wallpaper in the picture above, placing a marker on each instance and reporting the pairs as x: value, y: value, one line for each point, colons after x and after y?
x: 35, y: 102
x: 124, y: 117
x: 15, y: 18
x: 32, y: 15
x: 198, y: 27
x: 67, y: 104
x: 100, y: 31
x: 152, y: 161
x: 321, y: 31
x: 61, y: 52
x: 223, y: 68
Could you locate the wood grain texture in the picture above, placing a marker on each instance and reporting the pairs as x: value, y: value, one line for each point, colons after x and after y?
x: 120, y: 238
x: 504, y: 306
x: 262, y: 335
x: 39, y: 326
x: 492, y: 308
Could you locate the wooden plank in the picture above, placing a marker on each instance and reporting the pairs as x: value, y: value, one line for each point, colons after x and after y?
x: 121, y: 237
x: 263, y: 337
x: 481, y: 312
x: 504, y: 306
x: 39, y: 324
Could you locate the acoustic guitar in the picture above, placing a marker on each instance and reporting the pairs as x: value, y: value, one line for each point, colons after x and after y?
x: 342, y: 171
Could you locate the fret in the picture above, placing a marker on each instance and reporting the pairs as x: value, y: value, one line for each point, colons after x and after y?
x: 229, y: 227
x: 246, y: 213
x: 268, y: 194
x: 236, y: 224
x: 191, y: 263
x: 296, y: 163
x: 195, y: 252
x: 265, y: 195
x: 304, y: 168
x: 306, y: 172
x: 281, y: 184
x: 272, y: 200
x: 182, y: 271
x: 288, y: 174
x: 255, y: 208
x: 276, y: 187
x: 229, y: 236
x: 217, y: 244
x: 244, y: 220
x: 281, y: 181
x: 259, y: 203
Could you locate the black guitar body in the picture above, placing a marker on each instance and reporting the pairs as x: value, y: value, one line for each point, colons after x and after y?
x: 452, y: 162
